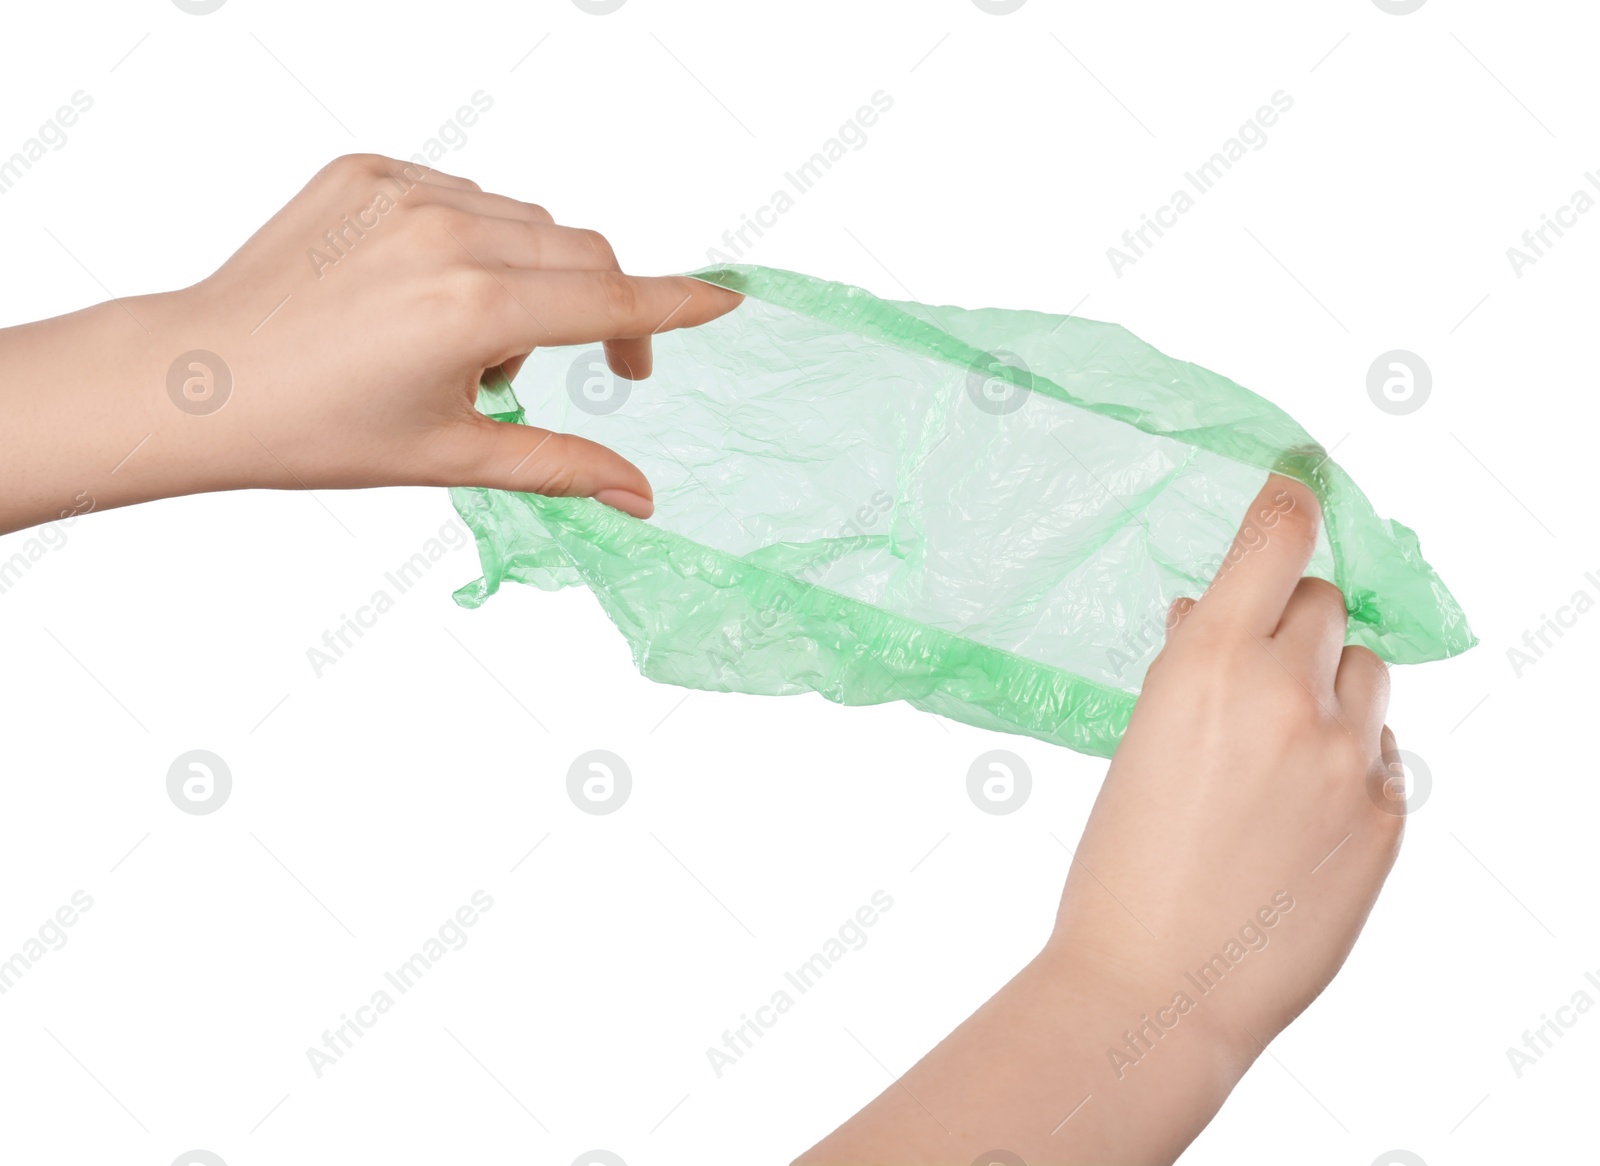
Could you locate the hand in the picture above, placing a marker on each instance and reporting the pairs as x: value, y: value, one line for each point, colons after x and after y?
x: 354, y: 328
x: 1248, y: 803
x: 1234, y: 852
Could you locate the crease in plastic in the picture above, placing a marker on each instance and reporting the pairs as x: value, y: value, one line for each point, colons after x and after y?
x: 748, y: 619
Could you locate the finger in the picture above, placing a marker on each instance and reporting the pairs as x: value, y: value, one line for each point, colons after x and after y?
x: 1266, y: 560
x: 531, y: 245
x: 427, y: 174
x: 1386, y: 777
x: 406, y: 172
x: 543, y: 246
x: 550, y: 247
x: 546, y: 247
x: 1310, y: 636
x: 501, y: 455
x: 1180, y: 608
x: 514, y: 365
x: 477, y: 202
x: 582, y: 307
x: 1361, y: 686
x: 630, y: 359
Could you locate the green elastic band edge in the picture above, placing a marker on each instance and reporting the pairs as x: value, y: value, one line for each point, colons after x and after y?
x: 939, y: 671
x: 1425, y: 623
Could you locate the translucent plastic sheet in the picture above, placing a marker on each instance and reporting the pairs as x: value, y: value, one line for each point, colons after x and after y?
x: 983, y: 513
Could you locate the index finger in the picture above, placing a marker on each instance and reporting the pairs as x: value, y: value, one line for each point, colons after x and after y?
x: 544, y: 308
x: 1266, y: 559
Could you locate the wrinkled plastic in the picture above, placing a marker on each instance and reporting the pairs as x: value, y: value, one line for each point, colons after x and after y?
x: 983, y: 513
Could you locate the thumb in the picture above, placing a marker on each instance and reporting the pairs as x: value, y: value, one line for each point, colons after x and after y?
x: 502, y: 455
x: 1175, y: 613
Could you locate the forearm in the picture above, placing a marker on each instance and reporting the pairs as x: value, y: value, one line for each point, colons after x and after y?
x: 1031, y: 1073
x: 145, y: 398
x: 87, y: 423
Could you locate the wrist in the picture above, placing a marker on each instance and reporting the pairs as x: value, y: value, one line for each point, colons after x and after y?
x: 103, y: 411
x: 1145, y: 1010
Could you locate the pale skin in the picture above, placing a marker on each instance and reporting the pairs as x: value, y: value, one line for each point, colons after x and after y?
x: 1240, y: 794
x: 365, y: 375
x: 1246, y: 773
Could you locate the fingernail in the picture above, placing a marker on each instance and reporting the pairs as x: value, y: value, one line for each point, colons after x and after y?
x: 627, y: 501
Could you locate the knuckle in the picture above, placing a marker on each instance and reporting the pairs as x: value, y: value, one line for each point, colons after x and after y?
x: 540, y: 213
x: 438, y: 220
x: 600, y: 245
x: 1295, y: 515
x: 537, y: 243
x: 1321, y: 590
x: 1367, y: 677
x: 411, y: 173
x: 466, y: 293
x: 1292, y: 708
x: 619, y: 296
x: 1367, y: 660
x: 555, y: 473
x: 357, y: 166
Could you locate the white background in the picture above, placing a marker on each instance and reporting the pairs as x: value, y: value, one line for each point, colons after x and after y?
x: 370, y: 803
